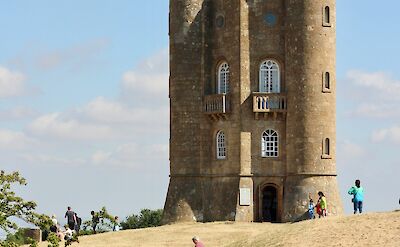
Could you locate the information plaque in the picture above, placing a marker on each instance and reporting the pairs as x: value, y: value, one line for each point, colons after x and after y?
x: 245, y: 197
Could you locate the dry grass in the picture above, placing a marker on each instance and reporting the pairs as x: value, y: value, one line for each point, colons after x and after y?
x: 375, y: 229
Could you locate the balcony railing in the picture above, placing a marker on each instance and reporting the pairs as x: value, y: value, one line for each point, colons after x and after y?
x: 269, y: 102
x: 216, y: 104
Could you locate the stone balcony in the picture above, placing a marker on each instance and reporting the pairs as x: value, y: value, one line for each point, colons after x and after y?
x: 216, y: 106
x: 269, y: 104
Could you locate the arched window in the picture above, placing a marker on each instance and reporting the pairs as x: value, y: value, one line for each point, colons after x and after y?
x: 269, y: 77
x: 327, y: 81
x: 269, y: 143
x: 327, y: 147
x: 327, y: 18
x: 223, y: 78
x: 221, y: 146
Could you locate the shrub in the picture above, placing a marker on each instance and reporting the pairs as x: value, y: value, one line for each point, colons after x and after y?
x: 8, y: 244
x: 53, y: 240
x: 146, y: 218
x: 32, y: 242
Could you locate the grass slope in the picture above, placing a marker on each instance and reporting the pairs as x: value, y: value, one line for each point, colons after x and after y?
x: 373, y: 229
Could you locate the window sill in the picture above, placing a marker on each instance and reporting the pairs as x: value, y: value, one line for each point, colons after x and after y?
x: 326, y: 90
x: 326, y: 156
x: 326, y: 24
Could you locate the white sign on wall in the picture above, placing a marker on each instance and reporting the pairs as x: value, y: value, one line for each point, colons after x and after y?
x: 245, y: 197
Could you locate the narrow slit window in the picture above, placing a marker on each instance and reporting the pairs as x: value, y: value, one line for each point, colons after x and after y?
x: 327, y: 81
x: 327, y: 147
x: 327, y: 17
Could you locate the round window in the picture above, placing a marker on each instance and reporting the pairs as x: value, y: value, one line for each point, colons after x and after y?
x: 270, y: 19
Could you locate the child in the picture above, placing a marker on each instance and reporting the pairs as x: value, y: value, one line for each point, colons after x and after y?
x: 311, y: 209
x: 69, y: 236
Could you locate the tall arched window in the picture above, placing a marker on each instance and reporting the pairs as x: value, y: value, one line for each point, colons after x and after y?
x: 223, y: 78
x: 269, y: 77
x: 221, y: 145
x: 327, y: 17
x: 327, y: 147
x: 269, y: 143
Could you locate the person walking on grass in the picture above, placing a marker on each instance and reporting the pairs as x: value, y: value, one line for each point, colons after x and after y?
x: 358, y: 196
x: 196, y: 241
x: 95, y: 220
x: 71, y: 218
x: 116, y: 226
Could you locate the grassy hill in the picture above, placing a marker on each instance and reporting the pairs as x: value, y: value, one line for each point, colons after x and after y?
x: 373, y: 229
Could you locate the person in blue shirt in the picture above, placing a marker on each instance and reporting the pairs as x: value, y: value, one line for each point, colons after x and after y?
x: 311, y: 209
x: 358, y: 196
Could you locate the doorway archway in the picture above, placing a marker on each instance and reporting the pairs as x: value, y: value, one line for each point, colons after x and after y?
x: 269, y: 204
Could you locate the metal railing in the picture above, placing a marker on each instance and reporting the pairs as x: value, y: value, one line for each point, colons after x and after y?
x: 216, y: 103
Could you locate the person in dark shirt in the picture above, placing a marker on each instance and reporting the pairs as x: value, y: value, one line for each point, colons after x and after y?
x: 78, y: 224
x: 95, y: 220
x: 71, y: 218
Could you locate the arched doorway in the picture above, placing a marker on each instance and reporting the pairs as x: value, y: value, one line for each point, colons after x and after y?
x: 269, y: 204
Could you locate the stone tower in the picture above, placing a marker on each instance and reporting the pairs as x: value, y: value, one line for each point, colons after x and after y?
x: 253, y: 119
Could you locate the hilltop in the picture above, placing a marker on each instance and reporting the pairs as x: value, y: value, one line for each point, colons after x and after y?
x: 372, y: 229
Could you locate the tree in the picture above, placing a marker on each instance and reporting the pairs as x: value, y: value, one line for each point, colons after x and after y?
x: 106, y: 221
x: 146, y: 218
x: 12, y: 205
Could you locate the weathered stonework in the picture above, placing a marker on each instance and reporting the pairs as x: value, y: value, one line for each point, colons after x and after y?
x: 295, y: 34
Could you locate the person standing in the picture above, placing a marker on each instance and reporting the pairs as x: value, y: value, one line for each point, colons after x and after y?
x: 54, y: 225
x: 116, y: 224
x: 78, y: 224
x: 311, y: 209
x: 358, y: 196
x: 71, y: 218
x: 321, y: 205
x: 95, y: 220
x: 196, y: 241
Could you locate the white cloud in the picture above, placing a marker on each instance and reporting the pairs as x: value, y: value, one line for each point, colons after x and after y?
x: 375, y: 94
x: 109, y: 111
x: 376, y: 83
x: 387, y: 134
x: 132, y: 155
x: 104, y: 132
x: 149, y: 77
x: 11, y: 83
x: 75, y: 56
x: 350, y: 150
x: 55, y: 125
x: 15, y: 140
x: 17, y: 113
x: 46, y: 159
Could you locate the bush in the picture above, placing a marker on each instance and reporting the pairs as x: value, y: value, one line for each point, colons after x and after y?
x: 32, y: 242
x: 53, y: 240
x: 8, y: 244
x: 146, y: 218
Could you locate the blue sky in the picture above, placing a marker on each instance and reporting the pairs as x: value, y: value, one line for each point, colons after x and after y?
x: 86, y: 93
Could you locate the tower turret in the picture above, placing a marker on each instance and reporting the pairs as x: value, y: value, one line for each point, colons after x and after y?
x: 252, y: 98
